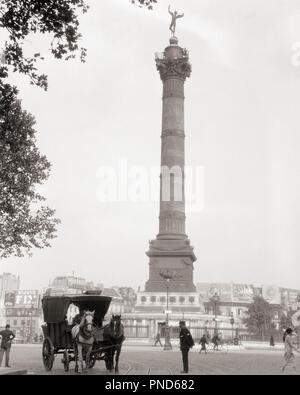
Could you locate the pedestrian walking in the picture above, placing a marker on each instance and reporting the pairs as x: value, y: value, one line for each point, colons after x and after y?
x: 6, y: 338
x: 157, y: 339
x: 289, y: 357
x: 272, y: 343
x: 203, y: 341
x: 216, y: 341
x: 186, y: 343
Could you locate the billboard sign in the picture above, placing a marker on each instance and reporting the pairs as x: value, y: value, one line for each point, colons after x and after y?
x: 242, y: 293
x: 22, y: 312
x: 209, y: 290
x: 22, y: 298
x: 9, y: 298
x: 271, y: 294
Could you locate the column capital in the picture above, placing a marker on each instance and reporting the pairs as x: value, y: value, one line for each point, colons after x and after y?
x: 173, y: 68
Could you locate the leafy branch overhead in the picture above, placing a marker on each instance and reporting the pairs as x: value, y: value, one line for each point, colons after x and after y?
x: 24, y: 221
x: 144, y: 3
x: 59, y: 18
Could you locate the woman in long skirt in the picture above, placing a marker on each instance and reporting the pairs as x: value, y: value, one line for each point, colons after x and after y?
x: 289, y: 356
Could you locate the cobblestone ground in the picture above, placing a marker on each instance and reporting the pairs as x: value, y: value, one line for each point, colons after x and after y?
x: 149, y: 360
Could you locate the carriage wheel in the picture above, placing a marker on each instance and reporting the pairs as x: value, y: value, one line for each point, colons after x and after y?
x: 66, y: 360
x: 90, y: 359
x: 48, y: 353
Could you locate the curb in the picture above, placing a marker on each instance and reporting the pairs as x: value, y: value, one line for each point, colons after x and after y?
x: 10, y: 372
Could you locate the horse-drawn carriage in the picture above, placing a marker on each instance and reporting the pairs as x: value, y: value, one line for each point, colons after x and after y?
x: 87, y: 340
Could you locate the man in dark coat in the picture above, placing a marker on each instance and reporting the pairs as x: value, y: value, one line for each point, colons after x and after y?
x: 186, y: 342
x: 6, y: 338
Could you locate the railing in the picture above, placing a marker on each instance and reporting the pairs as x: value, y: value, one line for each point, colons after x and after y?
x: 136, y: 331
x: 197, y: 332
x: 161, y: 55
x: 227, y: 334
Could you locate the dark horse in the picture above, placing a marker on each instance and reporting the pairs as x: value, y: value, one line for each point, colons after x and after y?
x: 113, y: 337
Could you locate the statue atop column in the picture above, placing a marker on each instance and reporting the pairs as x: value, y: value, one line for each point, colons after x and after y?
x: 175, y: 16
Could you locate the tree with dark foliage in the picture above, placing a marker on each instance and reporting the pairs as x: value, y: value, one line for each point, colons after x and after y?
x: 24, y: 221
x: 286, y: 319
x: 55, y: 17
x: 58, y: 18
x: 259, y: 317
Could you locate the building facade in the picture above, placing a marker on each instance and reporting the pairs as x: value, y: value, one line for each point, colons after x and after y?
x: 8, y: 282
x: 123, y: 298
x: 24, y: 314
x: 234, y: 299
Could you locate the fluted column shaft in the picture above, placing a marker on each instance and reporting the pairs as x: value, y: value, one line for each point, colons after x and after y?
x: 174, y: 67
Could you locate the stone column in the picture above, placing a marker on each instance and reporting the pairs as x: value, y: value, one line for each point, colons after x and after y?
x: 171, y: 254
x: 173, y: 66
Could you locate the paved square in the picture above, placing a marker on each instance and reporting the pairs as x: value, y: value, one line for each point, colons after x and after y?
x: 145, y: 359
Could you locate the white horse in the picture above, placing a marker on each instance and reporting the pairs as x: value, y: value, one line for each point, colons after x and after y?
x: 83, y: 336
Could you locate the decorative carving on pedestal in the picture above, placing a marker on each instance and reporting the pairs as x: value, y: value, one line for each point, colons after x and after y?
x: 186, y: 262
x: 168, y: 275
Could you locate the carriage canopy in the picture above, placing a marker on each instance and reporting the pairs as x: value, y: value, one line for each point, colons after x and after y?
x: 55, y: 307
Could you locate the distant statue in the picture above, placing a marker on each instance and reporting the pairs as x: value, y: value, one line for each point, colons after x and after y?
x: 175, y: 16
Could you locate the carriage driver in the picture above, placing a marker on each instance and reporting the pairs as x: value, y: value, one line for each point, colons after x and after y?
x: 77, y: 319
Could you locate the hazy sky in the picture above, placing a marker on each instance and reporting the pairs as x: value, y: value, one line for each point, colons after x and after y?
x: 241, y: 120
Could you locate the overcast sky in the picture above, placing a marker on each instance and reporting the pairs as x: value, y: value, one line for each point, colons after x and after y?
x: 241, y: 121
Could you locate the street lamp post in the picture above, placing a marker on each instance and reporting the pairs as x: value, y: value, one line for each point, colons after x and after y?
x: 237, y: 329
x: 31, y: 313
x: 206, y: 325
x: 167, y: 345
x: 215, y: 299
x: 205, y: 328
x: 216, y: 325
x: 167, y: 276
x: 23, y: 331
x: 232, y: 323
